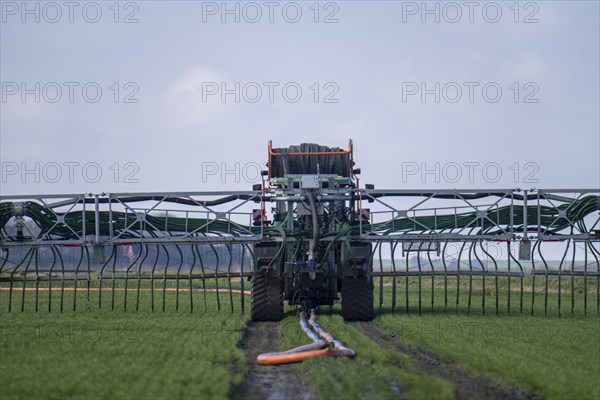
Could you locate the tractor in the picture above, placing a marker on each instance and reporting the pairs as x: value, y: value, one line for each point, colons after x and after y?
x: 308, y: 255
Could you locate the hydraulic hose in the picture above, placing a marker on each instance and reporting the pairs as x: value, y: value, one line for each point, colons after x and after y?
x: 314, y: 243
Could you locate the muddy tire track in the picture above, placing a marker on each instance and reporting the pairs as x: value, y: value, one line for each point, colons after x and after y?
x: 466, y: 385
x: 269, y: 382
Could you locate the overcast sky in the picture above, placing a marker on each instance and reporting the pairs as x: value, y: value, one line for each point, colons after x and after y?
x: 465, y: 90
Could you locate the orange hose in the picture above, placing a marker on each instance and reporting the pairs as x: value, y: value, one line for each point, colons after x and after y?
x: 289, y: 358
x: 71, y: 289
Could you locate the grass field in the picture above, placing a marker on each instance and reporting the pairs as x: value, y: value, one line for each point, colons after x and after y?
x: 550, y: 356
x: 99, y: 353
x: 374, y: 373
x: 94, y: 353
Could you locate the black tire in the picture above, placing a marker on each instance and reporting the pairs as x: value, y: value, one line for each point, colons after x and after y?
x: 267, y: 298
x: 357, y: 299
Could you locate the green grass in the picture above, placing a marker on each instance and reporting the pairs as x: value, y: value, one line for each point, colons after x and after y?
x: 549, y: 356
x: 99, y: 353
x: 96, y: 353
x: 374, y: 373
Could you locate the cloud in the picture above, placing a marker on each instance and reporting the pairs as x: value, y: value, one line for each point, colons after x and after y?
x: 189, y: 101
x: 526, y: 68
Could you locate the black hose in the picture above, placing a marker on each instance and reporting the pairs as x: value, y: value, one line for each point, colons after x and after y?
x: 170, y: 199
x: 286, y: 163
x: 314, y: 243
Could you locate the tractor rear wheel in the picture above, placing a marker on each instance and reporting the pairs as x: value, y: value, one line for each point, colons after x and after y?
x: 357, y: 299
x: 267, y: 298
